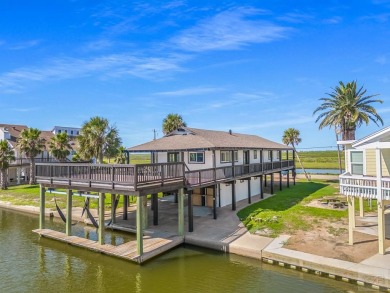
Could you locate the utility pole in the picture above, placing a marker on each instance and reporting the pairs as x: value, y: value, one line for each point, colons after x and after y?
x: 154, y: 134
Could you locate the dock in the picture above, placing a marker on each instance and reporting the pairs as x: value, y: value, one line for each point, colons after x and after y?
x: 152, y: 246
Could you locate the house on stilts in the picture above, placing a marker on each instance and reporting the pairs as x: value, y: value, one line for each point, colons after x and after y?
x: 209, y: 168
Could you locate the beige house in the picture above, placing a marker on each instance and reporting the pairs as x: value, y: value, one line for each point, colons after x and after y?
x: 367, y: 176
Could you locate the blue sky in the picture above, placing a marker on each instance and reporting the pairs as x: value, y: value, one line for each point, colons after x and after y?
x: 255, y: 67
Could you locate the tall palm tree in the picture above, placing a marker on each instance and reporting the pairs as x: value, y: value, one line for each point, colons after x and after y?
x: 59, y: 146
x: 6, y: 156
x: 347, y: 108
x: 31, y: 144
x: 291, y: 136
x: 97, y: 138
x: 172, y: 122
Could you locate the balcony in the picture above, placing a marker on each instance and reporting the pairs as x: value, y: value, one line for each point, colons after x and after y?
x: 364, y: 186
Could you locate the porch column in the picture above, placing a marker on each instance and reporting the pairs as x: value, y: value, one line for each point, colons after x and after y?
x: 294, y: 174
x: 155, y: 208
x: 214, y: 202
x: 190, y: 212
x: 265, y: 180
x: 280, y: 181
x: 380, y: 202
x: 102, y: 197
x: 288, y: 178
x: 249, y: 191
x: 68, y: 224
x: 125, y: 204
x: 233, y: 195
x: 261, y: 187
x: 361, y: 207
x: 145, y: 214
x: 181, y: 212
x: 272, y: 183
x: 351, y: 216
x: 18, y: 171
x: 139, y: 222
x: 113, y: 213
x: 42, y: 207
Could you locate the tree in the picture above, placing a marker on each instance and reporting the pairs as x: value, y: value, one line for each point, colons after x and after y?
x: 6, y: 156
x: 121, y: 156
x: 97, y: 139
x: 291, y: 137
x: 172, y: 122
x: 347, y: 108
x: 59, y: 146
x: 31, y: 144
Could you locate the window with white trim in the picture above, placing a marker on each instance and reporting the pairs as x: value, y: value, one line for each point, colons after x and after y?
x: 356, y: 162
x: 196, y: 157
x: 269, y: 155
x: 255, y: 154
x: 226, y: 156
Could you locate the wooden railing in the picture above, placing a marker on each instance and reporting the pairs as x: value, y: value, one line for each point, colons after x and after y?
x: 364, y: 186
x: 143, y: 175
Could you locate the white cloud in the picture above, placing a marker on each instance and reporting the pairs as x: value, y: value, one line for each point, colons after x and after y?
x: 382, y: 60
x: 231, y: 29
x: 25, y: 45
x: 115, y: 65
x: 286, y: 122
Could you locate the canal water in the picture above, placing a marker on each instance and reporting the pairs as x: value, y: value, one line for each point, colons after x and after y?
x: 320, y: 171
x: 32, y: 264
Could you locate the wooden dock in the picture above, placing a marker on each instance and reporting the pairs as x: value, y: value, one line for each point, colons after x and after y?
x: 152, y: 246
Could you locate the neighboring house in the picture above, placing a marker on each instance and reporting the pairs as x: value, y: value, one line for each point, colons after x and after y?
x: 367, y: 176
x: 71, y: 131
x: 215, y: 178
x: 19, y: 169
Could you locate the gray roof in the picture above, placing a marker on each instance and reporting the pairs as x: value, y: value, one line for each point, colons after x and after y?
x: 192, y: 138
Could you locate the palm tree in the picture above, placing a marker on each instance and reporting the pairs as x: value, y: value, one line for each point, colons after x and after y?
x: 347, y: 108
x: 121, y: 156
x: 291, y: 137
x: 97, y: 139
x: 6, y: 156
x: 172, y: 122
x: 59, y: 146
x: 31, y: 144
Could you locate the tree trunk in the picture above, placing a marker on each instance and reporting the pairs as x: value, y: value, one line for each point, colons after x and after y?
x: 3, y: 179
x: 32, y: 171
x: 299, y: 160
x: 338, y: 151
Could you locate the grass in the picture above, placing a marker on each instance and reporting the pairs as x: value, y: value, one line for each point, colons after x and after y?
x: 29, y: 195
x: 320, y: 160
x: 285, y: 212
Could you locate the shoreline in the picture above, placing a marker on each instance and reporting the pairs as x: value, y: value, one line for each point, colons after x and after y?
x: 271, y: 251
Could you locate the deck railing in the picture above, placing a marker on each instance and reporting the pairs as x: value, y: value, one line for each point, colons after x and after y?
x: 143, y: 175
x: 364, y: 186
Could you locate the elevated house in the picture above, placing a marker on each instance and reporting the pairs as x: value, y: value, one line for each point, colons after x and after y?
x: 210, y: 168
x: 367, y: 177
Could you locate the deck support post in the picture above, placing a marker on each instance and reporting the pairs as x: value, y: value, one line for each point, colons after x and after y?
x: 294, y: 174
x: 272, y: 183
x: 42, y: 207
x: 361, y: 207
x: 145, y: 211
x: 68, y: 224
x: 190, y: 212
x: 215, y: 202
x: 261, y: 187
x: 102, y: 197
x: 155, y: 208
x: 381, y: 227
x: 265, y: 180
x: 249, y: 191
x: 351, y: 216
x: 181, y: 212
x: 113, y: 213
x: 233, y: 195
x: 139, y: 222
x: 125, y: 204
x: 280, y: 181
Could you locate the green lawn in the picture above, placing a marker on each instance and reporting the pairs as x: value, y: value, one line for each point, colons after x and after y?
x: 320, y: 159
x: 285, y: 212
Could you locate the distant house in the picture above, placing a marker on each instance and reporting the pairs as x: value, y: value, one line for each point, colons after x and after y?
x: 221, y: 167
x: 19, y: 169
x: 71, y: 131
x: 367, y: 176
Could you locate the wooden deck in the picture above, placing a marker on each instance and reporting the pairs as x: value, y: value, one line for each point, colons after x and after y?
x: 153, y: 246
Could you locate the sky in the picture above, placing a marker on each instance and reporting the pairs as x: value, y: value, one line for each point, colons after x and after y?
x: 255, y: 67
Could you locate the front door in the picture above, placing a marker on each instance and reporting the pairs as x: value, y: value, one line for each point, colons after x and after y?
x: 173, y: 157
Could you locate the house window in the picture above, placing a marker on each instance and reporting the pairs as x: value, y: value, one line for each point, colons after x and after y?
x: 71, y: 132
x: 59, y: 130
x: 173, y: 157
x: 357, y: 163
x: 278, y: 156
x: 269, y: 155
x: 78, y: 132
x: 196, y: 157
x: 66, y: 131
x: 226, y: 156
x: 255, y: 154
